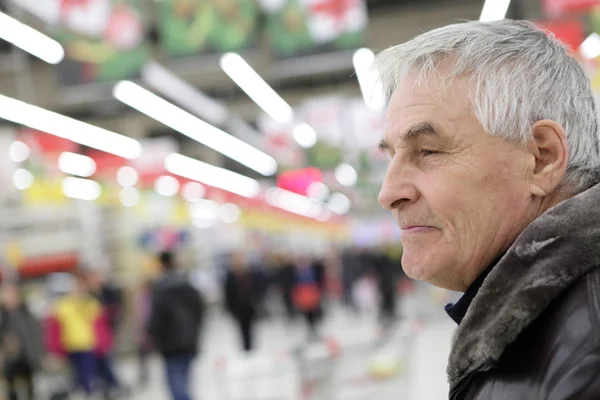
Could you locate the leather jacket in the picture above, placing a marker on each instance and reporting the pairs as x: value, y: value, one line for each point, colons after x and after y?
x: 532, y: 331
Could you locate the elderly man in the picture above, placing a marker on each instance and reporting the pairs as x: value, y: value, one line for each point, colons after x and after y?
x: 494, y: 148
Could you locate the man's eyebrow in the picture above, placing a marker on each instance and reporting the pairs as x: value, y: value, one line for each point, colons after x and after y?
x: 384, y: 146
x: 421, y: 129
x: 413, y: 133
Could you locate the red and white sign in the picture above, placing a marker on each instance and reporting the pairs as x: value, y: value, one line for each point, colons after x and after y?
x: 328, y: 19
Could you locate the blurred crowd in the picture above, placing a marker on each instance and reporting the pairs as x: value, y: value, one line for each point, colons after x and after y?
x: 74, y: 339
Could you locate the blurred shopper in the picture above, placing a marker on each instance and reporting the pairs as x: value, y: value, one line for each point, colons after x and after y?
x: 21, y: 342
x: 285, y: 279
x: 386, y: 282
x: 73, y: 330
x: 174, y: 326
x: 142, y: 313
x: 262, y: 277
x: 494, y: 180
x: 366, y: 296
x: 309, y: 282
x: 242, y: 294
x: 350, y: 272
x: 110, y: 297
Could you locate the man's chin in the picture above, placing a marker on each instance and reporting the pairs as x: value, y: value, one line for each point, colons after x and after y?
x: 421, y: 268
x: 416, y: 270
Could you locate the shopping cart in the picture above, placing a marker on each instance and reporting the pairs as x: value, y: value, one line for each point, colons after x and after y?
x: 375, y: 368
x: 258, y: 376
x: 317, y: 364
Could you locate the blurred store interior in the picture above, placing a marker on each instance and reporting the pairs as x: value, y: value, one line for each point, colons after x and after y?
x: 226, y: 132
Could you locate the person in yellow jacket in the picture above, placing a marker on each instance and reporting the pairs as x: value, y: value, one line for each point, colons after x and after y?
x: 76, y: 317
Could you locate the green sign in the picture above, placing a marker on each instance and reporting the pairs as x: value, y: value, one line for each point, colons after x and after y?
x: 191, y: 27
x: 105, y: 40
x: 302, y: 27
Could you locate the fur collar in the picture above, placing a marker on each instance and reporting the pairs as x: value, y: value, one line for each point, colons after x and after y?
x: 553, y: 252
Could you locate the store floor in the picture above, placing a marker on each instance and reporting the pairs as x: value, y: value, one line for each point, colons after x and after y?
x: 344, y: 368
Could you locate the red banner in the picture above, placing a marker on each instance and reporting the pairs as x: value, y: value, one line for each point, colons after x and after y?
x: 570, y: 32
x: 559, y: 7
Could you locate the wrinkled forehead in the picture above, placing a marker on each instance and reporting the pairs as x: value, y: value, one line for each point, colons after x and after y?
x: 437, y: 99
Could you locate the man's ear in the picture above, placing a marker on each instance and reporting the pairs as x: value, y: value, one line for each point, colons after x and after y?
x: 550, y: 150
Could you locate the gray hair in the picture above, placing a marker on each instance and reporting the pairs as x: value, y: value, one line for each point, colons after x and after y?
x: 519, y: 75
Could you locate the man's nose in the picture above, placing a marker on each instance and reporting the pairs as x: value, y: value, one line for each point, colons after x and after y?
x: 397, y: 188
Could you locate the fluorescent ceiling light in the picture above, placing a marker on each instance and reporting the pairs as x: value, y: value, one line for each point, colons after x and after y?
x: 325, y: 215
x: 494, y: 10
x: 229, y: 213
x: 82, y: 189
x: 346, y: 175
x: 181, y: 92
x: 367, y: 79
x: 590, y: 48
x: 304, y: 135
x: 129, y: 196
x: 204, y: 210
x: 76, y: 164
x: 256, y: 88
x: 295, y: 203
x: 127, y: 176
x: 193, y: 191
x: 68, y: 128
x: 22, y: 179
x: 203, y: 223
x: 30, y: 40
x: 193, y: 127
x: 212, y: 176
x: 18, y: 152
x: 339, y: 203
x: 318, y: 191
x: 166, y: 186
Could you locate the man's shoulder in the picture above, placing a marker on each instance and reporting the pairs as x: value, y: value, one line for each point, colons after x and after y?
x: 574, y: 317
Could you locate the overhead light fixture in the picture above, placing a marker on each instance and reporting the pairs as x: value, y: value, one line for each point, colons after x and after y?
x: 204, y: 213
x: 318, y: 191
x: 30, y: 40
x: 203, y: 223
x: 193, y: 127
x: 18, y: 152
x: 22, y: 179
x: 129, y: 196
x: 82, y: 189
x: 325, y: 215
x: 76, y: 164
x: 127, y: 176
x: 304, y: 135
x: 166, y: 186
x: 590, y: 48
x: 229, y: 213
x: 346, y: 175
x: 367, y: 79
x: 68, y: 128
x: 294, y: 203
x: 204, y: 209
x: 210, y: 175
x: 193, y: 191
x: 339, y: 203
x: 181, y: 92
x: 256, y: 88
x: 494, y: 10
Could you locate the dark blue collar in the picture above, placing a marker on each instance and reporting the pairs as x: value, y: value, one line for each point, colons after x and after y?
x: 458, y: 310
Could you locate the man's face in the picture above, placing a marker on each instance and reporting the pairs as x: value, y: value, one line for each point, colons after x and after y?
x: 459, y: 195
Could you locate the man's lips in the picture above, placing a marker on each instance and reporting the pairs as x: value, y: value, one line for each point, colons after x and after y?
x: 416, y: 228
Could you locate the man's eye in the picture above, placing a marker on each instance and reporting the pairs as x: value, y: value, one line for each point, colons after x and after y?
x: 427, y: 152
